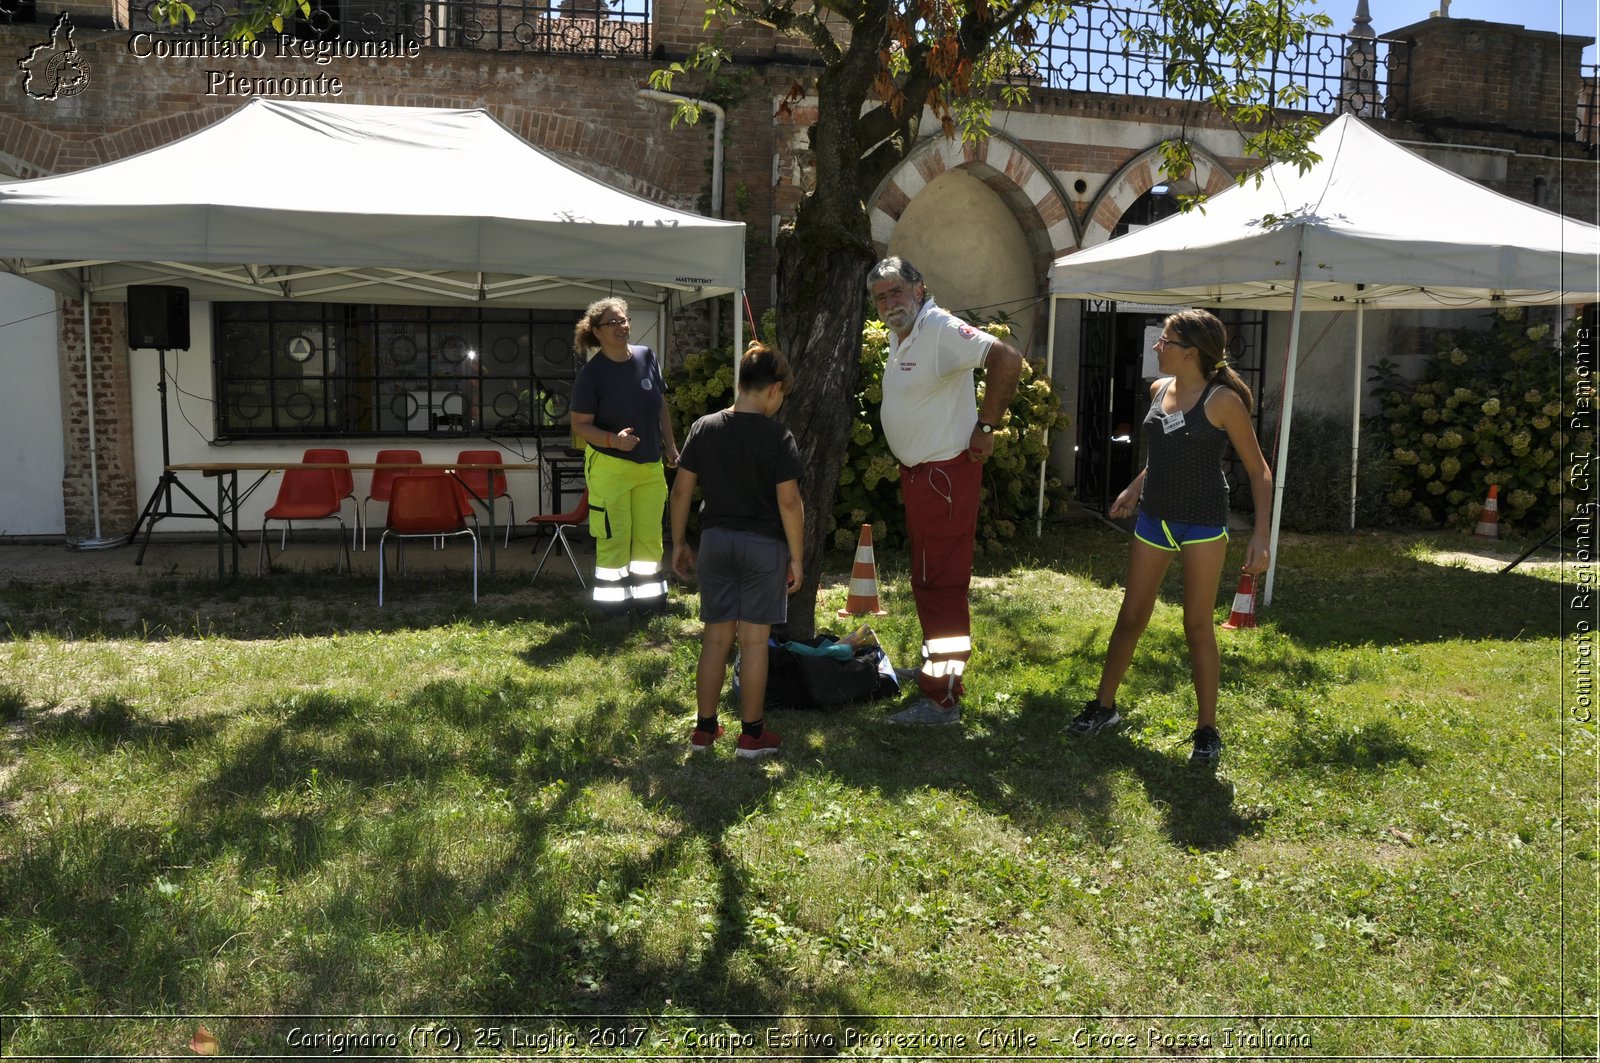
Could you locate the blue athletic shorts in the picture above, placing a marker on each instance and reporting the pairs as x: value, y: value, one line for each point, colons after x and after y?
x: 1171, y: 535
x: 742, y: 577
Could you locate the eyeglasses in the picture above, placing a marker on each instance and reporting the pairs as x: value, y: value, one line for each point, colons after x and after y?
x: 1164, y: 342
x: 614, y: 321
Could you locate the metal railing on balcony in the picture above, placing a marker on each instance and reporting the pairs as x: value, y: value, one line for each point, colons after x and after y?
x: 581, y: 27
x: 1087, y: 52
x: 1338, y: 73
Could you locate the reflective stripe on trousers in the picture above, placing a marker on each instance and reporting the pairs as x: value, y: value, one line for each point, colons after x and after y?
x: 645, y: 582
x: 610, y: 585
x: 626, y: 504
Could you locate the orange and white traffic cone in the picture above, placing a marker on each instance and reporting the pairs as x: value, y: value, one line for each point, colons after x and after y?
x: 863, y: 599
x: 1244, y: 605
x: 1489, y: 518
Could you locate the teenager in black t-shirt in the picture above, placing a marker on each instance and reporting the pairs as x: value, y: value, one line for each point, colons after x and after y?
x: 751, y: 521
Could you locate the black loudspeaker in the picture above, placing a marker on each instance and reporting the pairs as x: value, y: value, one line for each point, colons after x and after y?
x: 158, y: 317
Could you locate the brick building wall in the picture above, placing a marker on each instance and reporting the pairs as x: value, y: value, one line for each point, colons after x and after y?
x: 1489, y: 76
x: 572, y: 106
x: 113, y: 421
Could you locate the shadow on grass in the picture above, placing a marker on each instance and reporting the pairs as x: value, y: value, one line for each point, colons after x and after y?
x: 320, y: 788
x: 296, y: 797
x: 725, y: 973
x: 1328, y: 591
x: 109, y: 722
x: 1022, y: 767
x: 1368, y: 747
x: 1333, y: 590
x: 551, y: 962
x: 1196, y: 804
x: 1409, y: 601
x: 1014, y: 759
x: 88, y: 910
x: 301, y: 604
x: 287, y: 801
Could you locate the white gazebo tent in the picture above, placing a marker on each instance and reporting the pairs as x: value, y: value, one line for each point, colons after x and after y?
x: 287, y: 200
x: 1369, y: 225
x: 366, y: 204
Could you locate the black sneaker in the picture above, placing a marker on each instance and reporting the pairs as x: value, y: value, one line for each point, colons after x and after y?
x: 1207, y: 746
x: 1094, y: 718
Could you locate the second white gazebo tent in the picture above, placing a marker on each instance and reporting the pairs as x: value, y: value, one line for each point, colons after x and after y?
x: 1369, y: 225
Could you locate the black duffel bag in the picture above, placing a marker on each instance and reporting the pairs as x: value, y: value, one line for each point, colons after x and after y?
x: 800, y: 680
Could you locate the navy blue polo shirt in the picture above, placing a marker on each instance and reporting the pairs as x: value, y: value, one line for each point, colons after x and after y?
x: 624, y: 395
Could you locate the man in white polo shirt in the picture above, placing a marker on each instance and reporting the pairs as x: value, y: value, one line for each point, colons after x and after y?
x: 933, y: 425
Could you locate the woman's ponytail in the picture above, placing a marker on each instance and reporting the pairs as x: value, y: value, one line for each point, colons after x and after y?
x: 1225, y: 373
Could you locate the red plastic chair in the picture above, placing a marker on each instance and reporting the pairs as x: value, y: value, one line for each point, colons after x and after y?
x: 344, y: 481
x: 559, y: 524
x: 304, y: 495
x: 383, y: 479
x: 426, y: 506
x: 486, y: 485
x: 463, y: 501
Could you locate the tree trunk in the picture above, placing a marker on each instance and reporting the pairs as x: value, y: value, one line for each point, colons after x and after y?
x: 822, y: 295
x: 819, y: 328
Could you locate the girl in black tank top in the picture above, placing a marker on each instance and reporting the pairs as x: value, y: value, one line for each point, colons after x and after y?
x: 1181, y: 485
x: 1184, y: 480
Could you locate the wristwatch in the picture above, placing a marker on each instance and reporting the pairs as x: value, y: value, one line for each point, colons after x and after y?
x: 986, y: 428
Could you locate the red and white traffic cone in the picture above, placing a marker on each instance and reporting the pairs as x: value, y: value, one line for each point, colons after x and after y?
x: 1244, y: 605
x: 863, y: 599
x: 1489, y: 518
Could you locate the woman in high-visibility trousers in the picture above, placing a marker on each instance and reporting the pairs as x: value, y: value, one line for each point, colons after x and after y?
x: 619, y: 408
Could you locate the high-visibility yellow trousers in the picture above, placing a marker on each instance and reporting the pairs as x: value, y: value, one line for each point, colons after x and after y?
x: 626, y: 504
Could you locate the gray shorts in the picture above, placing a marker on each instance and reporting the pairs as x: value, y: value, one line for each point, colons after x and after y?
x: 742, y: 577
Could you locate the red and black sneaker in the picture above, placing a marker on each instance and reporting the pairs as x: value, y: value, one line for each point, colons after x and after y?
x: 763, y: 745
x: 700, y: 741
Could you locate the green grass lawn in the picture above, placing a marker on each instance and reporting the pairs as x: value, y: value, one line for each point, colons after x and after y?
x: 476, y: 831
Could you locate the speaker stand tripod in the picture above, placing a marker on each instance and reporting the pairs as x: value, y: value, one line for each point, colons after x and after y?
x: 160, y: 504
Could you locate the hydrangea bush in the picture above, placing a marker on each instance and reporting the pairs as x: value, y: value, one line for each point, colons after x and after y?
x: 869, y: 483
x: 1488, y: 409
x: 1316, y: 491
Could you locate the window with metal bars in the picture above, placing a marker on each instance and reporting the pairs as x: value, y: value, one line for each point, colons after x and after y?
x: 335, y: 370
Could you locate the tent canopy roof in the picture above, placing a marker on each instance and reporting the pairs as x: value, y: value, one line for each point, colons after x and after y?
x: 1376, y: 224
x: 367, y: 204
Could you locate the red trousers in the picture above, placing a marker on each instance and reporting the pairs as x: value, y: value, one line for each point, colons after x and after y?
x: 942, y: 523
